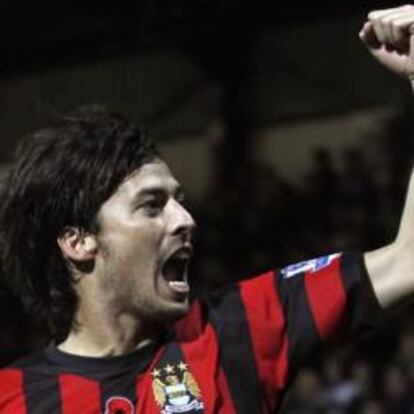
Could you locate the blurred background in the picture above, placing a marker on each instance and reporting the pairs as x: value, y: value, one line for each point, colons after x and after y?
x: 290, y: 141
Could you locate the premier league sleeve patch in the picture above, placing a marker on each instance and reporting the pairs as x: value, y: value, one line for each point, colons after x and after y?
x: 311, y: 266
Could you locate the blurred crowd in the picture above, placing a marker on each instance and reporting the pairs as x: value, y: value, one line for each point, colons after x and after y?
x: 260, y: 220
x: 376, y: 377
x: 351, y: 201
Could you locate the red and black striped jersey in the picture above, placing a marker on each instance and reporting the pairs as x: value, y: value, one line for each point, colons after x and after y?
x: 235, y: 352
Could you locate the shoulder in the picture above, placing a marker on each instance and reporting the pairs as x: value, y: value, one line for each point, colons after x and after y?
x: 13, y: 382
x: 25, y: 382
x: 33, y: 365
x: 29, y: 361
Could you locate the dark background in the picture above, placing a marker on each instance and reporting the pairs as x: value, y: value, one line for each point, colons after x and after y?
x: 178, y: 65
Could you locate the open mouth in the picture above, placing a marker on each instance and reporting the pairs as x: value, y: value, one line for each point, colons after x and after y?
x: 175, y: 270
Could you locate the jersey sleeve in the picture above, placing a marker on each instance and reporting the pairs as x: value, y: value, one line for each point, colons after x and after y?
x: 268, y: 325
x: 325, y: 300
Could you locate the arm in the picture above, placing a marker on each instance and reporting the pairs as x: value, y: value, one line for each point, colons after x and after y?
x: 389, y: 36
x: 391, y: 268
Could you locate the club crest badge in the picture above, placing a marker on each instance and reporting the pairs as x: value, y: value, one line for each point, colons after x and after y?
x: 176, y: 390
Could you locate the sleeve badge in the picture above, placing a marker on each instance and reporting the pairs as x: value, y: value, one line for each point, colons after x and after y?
x: 311, y: 266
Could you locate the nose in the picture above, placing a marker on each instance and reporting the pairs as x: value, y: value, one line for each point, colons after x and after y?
x: 182, y: 222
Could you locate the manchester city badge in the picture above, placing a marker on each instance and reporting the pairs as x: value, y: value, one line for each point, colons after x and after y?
x: 176, y: 390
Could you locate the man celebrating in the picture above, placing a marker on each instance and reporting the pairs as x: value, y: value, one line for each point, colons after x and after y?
x: 97, y: 242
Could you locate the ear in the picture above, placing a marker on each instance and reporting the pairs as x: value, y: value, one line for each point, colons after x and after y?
x: 77, y: 245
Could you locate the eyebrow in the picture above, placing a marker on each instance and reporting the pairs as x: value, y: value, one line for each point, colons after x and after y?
x: 157, y: 190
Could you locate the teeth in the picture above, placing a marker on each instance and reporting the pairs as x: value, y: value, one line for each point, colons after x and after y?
x: 179, y: 286
x: 177, y: 283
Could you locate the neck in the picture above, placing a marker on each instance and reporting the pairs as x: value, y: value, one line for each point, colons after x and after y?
x: 99, y: 333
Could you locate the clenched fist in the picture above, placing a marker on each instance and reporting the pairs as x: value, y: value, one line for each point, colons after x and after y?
x: 389, y: 35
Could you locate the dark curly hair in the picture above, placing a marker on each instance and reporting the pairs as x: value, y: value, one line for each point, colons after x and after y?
x: 61, y: 176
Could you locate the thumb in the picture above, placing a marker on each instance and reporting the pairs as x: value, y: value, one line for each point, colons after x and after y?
x: 368, y: 37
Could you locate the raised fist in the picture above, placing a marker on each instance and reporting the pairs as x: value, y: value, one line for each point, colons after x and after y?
x: 389, y: 36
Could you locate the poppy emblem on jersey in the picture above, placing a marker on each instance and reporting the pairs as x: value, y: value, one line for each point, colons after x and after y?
x: 310, y: 266
x: 119, y: 405
x: 176, y: 390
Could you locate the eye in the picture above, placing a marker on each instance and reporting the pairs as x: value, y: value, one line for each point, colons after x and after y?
x: 153, y: 207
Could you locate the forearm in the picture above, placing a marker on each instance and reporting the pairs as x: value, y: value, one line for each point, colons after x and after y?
x: 391, y: 268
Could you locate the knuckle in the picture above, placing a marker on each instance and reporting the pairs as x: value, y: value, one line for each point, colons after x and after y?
x: 373, y: 15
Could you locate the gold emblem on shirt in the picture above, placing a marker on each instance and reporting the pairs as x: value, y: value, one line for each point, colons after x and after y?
x: 175, y: 389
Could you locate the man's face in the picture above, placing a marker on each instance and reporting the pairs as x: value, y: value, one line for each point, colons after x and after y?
x: 145, y: 245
